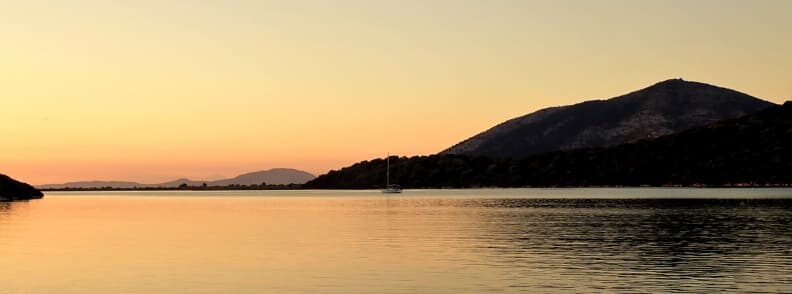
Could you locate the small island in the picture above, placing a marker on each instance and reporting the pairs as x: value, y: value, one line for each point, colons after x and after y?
x: 11, y: 190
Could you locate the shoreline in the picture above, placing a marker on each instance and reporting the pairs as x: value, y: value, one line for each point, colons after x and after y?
x: 423, y: 188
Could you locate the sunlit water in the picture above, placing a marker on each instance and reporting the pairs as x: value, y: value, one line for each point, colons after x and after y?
x: 463, y: 241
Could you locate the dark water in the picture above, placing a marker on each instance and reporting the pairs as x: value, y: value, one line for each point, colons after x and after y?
x: 471, y: 241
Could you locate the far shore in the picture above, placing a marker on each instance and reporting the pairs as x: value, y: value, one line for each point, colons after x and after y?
x: 301, y: 187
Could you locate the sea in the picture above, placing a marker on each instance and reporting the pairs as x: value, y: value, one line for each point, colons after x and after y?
x: 605, y: 240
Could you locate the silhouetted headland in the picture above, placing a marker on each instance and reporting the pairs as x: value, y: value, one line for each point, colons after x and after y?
x: 11, y: 189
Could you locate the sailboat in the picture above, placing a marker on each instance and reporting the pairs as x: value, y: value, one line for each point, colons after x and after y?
x: 389, y: 188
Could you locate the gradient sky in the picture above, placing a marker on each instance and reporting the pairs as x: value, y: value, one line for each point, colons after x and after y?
x: 154, y: 90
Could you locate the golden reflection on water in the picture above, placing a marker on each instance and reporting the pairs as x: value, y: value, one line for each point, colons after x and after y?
x: 97, y: 244
x: 372, y: 244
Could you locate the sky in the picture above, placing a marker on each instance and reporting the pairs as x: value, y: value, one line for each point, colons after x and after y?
x: 151, y: 91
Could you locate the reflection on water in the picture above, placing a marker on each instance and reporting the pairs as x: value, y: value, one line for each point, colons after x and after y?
x: 432, y: 242
x: 657, y: 245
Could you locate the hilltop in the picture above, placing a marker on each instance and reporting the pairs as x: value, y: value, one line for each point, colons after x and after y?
x: 664, y: 108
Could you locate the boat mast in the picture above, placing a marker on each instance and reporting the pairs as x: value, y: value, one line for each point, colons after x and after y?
x: 387, y: 173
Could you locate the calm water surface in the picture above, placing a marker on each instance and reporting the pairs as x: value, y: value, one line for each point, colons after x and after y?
x: 446, y: 241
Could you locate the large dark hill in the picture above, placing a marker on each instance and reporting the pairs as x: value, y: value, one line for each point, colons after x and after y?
x: 754, y: 150
x: 661, y: 109
x: 11, y: 189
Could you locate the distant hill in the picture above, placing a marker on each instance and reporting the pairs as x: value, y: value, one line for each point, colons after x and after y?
x: 275, y: 176
x: 11, y: 189
x: 752, y: 150
x: 661, y: 109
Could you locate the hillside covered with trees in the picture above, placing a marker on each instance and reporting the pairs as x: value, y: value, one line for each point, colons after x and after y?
x: 751, y: 150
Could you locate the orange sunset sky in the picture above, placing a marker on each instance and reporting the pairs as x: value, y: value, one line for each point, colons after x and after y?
x: 155, y: 90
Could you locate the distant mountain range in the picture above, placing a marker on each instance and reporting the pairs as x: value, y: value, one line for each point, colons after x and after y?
x: 661, y: 109
x: 275, y: 176
x: 752, y: 150
x: 11, y: 189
